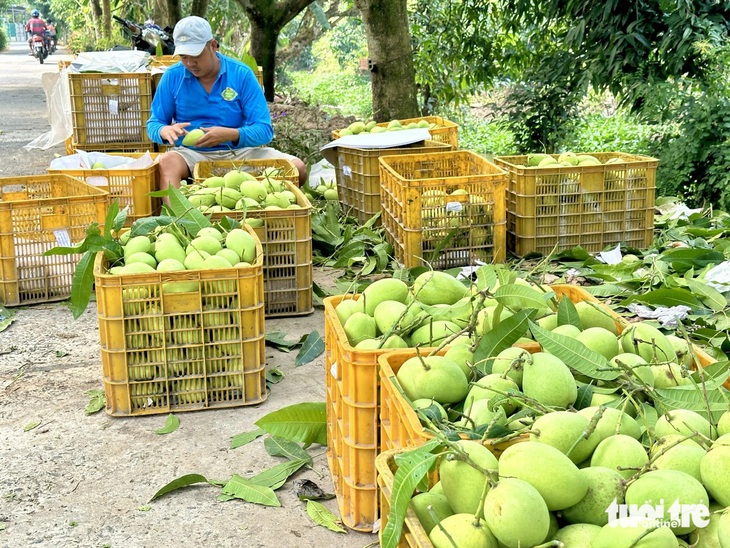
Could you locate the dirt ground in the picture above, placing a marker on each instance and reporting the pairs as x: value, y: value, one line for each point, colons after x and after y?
x: 78, y: 480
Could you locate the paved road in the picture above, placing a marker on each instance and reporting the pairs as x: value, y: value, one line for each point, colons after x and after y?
x: 24, y: 109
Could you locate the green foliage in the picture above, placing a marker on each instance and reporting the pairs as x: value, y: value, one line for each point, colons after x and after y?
x: 348, y: 43
x: 611, y: 47
x: 454, y: 44
x: 620, y: 132
x: 540, y: 111
x: 337, y: 92
x: 694, y: 159
x: 304, y: 143
x: 79, y: 41
x: 485, y: 137
x: 3, y: 39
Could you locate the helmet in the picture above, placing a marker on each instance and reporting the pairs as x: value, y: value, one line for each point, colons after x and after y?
x: 35, y: 13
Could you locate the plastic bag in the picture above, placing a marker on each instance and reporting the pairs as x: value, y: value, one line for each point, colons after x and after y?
x: 61, y: 121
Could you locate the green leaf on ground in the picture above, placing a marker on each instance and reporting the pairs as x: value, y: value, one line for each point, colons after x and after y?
x: 322, y: 516
x: 180, y: 483
x: 97, y: 401
x: 280, y: 447
x: 171, y: 424
x: 279, y: 340
x: 301, y: 422
x: 31, y: 426
x: 274, y: 375
x: 6, y: 318
x: 239, y: 440
x: 312, y: 347
x: 241, y: 488
x: 277, y: 475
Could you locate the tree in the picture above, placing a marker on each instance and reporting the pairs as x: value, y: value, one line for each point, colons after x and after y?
x: 267, y: 18
x: 620, y: 45
x: 391, y: 58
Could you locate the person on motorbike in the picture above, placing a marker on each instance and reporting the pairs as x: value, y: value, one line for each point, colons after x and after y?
x: 35, y: 26
x: 51, y: 34
x: 215, y: 94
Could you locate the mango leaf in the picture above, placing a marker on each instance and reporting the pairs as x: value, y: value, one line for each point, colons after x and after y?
x: 574, y: 354
x: 412, y: 468
x: 239, y: 487
x: 277, y: 475
x: 274, y: 375
x: 279, y: 340
x: 606, y: 290
x: 567, y: 314
x: 322, y: 516
x: 462, y: 310
x: 667, y: 297
x: 710, y: 296
x: 518, y: 296
x: 648, y: 416
x: 685, y: 258
x: 693, y: 399
x: 312, y: 347
x: 716, y: 372
x: 504, y: 335
x: 301, y: 422
x: 486, y: 277
x: 279, y: 447
x: 185, y: 211
x: 83, y: 283
x: 171, y: 425
x: 179, y: 483
x: 239, y: 440
x: 147, y: 225
x: 97, y: 401
x: 585, y: 393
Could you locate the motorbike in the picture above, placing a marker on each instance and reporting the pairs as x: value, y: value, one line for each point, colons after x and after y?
x: 51, y: 41
x: 40, y: 51
x: 148, y: 37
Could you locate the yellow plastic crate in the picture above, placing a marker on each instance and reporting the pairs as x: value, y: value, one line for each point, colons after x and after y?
x: 591, y: 206
x: 38, y: 213
x: 289, y: 172
x: 445, y: 132
x: 421, y: 208
x: 131, y: 187
x: 286, y: 237
x: 358, y: 175
x: 109, y: 111
x: 352, y: 392
x: 169, y: 352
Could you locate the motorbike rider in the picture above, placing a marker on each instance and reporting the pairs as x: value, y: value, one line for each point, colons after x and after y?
x: 51, y: 33
x: 35, y: 26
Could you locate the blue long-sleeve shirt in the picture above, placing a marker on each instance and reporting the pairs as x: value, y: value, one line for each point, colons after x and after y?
x: 235, y: 101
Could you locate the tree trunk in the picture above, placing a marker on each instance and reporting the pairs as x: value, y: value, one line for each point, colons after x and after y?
x: 199, y: 8
x: 96, y: 17
x: 391, y: 58
x: 106, y: 9
x: 161, y: 14
x: 267, y: 19
x: 174, y: 13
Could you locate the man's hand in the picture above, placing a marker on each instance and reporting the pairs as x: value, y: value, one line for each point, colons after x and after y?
x: 217, y: 135
x: 174, y: 132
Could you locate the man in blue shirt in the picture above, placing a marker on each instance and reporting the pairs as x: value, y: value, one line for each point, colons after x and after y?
x: 213, y: 93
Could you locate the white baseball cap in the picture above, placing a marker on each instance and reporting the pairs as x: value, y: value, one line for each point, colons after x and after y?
x: 190, y: 35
